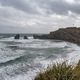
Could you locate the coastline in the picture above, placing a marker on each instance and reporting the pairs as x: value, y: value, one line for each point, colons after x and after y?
x: 62, y: 71
x: 71, y: 34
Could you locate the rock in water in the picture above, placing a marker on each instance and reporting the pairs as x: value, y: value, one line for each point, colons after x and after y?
x: 25, y: 37
x: 17, y: 36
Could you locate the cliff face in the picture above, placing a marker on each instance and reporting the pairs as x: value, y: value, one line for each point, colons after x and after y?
x: 71, y: 34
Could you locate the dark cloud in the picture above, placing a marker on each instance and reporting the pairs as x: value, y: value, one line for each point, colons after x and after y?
x: 48, y: 6
x: 23, y: 5
x: 37, y: 15
x: 59, y: 6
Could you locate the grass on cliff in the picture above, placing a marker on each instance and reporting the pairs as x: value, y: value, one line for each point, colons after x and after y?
x: 61, y: 71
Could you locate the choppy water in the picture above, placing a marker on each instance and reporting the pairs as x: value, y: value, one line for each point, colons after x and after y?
x: 23, y: 59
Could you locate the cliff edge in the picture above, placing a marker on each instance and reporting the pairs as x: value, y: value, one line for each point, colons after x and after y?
x: 70, y: 34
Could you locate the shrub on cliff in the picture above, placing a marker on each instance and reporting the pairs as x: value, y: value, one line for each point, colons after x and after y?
x: 62, y: 71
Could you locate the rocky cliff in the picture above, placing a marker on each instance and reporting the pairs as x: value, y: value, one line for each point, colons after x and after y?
x: 71, y: 34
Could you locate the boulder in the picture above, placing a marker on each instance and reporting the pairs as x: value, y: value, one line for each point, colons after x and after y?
x: 17, y: 36
x: 25, y: 37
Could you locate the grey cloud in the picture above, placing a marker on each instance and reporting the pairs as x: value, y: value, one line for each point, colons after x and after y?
x: 19, y: 15
x: 59, y: 6
x: 48, y: 6
x: 12, y: 29
x: 23, y: 5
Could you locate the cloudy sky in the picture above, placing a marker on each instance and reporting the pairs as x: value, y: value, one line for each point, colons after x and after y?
x: 38, y: 16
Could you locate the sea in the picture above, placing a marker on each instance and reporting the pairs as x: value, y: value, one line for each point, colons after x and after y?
x: 23, y: 59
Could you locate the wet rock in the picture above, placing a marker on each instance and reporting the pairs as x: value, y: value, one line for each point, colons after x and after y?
x: 41, y: 36
x: 25, y: 37
x: 17, y: 36
x: 71, y: 34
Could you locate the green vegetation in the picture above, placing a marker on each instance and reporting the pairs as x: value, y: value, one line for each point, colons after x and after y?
x: 61, y: 71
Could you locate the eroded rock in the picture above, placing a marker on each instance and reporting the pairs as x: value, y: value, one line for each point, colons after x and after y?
x: 17, y: 36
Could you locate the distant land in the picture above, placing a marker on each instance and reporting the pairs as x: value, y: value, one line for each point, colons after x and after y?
x: 70, y: 34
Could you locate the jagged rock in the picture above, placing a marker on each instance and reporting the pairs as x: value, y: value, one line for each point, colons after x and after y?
x: 17, y: 36
x: 25, y: 37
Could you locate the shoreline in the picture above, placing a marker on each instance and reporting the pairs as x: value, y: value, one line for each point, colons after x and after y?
x: 71, y: 34
x: 62, y: 71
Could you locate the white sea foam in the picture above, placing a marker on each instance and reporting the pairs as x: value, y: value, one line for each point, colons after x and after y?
x: 30, y: 37
x: 42, y: 44
x: 37, y: 62
x: 72, y: 58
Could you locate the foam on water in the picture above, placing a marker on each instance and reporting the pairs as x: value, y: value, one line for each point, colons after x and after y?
x: 31, y: 56
x: 42, y: 44
x: 30, y: 37
x: 72, y: 58
x: 9, y: 55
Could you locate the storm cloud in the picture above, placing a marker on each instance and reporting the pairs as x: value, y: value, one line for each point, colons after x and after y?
x: 49, y: 6
x: 38, y: 15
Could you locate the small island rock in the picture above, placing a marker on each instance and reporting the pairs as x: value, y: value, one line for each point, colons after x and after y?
x: 17, y: 36
x: 25, y: 37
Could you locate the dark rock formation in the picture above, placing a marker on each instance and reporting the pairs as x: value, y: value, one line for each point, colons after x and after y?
x: 41, y: 36
x: 71, y: 34
x: 25, y: 37
x: 17, y: 36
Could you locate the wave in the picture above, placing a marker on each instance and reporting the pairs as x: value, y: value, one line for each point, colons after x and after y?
x: 43, y: 44
x: 14, y: 61
x: 39, y: 56
x: 25, y: 57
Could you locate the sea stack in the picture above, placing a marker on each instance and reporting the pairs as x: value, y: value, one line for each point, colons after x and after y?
x: 25, y: 37
x: 17, y: 36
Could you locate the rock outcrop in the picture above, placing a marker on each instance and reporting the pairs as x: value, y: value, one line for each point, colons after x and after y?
x: 45, y: 36
x: 25, y: 37
x: 70, y: 34
x: 17, y: 36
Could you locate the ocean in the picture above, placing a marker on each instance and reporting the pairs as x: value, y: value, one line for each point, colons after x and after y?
x: 24, y: 59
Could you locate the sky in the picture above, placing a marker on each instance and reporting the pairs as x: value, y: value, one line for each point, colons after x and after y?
x: 38, y: 16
